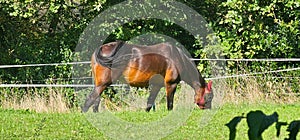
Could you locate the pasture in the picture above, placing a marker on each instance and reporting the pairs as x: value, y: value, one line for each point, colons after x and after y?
x: 34, y: 117
x: 25, y: 124
x: 59, y: 123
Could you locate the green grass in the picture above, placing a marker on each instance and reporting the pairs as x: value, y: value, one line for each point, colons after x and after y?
x: 24, y: 124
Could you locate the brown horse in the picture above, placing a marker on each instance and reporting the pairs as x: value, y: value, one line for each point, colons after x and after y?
x: 143, y: 66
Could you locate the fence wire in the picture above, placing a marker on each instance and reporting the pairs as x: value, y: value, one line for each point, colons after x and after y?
x: 193, y: 59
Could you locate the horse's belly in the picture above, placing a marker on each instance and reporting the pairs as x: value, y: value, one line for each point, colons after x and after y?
x: 140, y: 70
x: 137, y: 78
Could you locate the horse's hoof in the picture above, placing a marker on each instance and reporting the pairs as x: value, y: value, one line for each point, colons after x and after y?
x: 170, y: 107
x: 148, y: 109
x: 95, y: 109
x: 84, y: 109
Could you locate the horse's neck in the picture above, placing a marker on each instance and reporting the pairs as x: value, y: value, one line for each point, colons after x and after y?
x: 190, y: 74
x: 195, y: 81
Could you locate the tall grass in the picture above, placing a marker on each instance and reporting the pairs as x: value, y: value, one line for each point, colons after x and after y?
x: 259, y: 89
x: 52, y: 100
x: 250, y: 90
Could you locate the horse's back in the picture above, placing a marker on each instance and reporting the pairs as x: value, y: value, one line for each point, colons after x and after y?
x: 163, y: 49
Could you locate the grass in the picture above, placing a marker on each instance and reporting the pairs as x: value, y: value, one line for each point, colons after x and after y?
x: 36, y: 117
x: 25, y: 124
x: 39, y: 99
x: 235, y: 90
x: 258, y: 89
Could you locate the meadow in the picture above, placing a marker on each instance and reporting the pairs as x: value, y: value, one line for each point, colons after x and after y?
x: 26, y: 124
x: 38, y: 118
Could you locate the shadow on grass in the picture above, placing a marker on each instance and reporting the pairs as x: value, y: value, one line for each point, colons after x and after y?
x: 258, y: 122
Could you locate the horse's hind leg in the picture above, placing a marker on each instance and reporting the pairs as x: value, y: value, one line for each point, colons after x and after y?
x: 96, y: 104
x: 93, y: 98
x: 97, y: 101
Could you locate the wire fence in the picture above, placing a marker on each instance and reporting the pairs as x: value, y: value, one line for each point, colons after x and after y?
x: 193, y: 59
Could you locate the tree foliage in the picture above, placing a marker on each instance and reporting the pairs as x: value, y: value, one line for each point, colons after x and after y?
x: 259, y: 29
x: 40, y: 32
x: 48, y: 31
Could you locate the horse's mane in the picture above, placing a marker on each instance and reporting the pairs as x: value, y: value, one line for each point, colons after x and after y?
x: 106, y: 60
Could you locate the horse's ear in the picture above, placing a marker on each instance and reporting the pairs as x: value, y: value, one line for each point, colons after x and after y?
x: 209, y: 85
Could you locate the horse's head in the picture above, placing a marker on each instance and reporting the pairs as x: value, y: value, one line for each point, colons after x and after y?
x: 203, y: 97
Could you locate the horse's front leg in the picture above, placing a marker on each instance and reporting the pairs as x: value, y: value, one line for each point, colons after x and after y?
x: 93, y: 98
x: 151, y: 99
x: 170, y: 90
x: 156, y: 83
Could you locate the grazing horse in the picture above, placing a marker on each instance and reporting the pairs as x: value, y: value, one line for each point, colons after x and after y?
x: 143, y: 66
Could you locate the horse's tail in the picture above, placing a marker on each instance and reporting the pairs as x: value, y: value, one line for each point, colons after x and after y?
x: 106, y: 60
